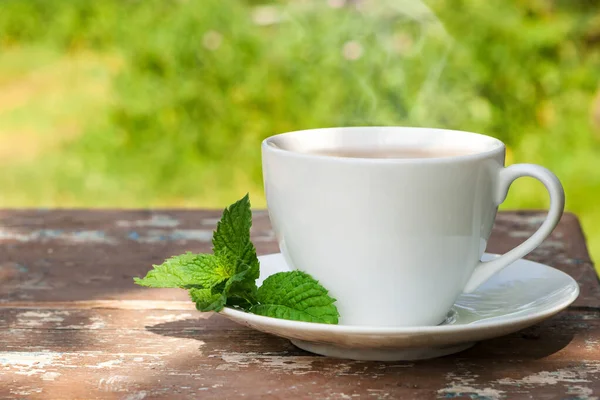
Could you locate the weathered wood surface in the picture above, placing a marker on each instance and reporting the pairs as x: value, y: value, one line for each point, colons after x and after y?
x: 73, y: 325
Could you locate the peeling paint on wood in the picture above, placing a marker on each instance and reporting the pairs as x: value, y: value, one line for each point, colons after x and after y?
x: 157, y: 235
x: 136, y: 396
x: 100, y: 237
x: 169, y: 317
x: 104, y: 304
x: 155, y: 221
x: 50, y: 376
x: 38, y: 318
x: 43, y: 235
x: 581, y: 393
x: 460, y: 385
x: 581, y: 378
x: 73, y: 325
x: 237, y: 361
x: 27, y: 359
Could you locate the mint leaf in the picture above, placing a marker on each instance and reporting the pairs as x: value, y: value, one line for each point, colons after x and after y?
x: 173, y: 272
x: 224, y: 292
x: 231, y: 243
x: 188, y: 270
x: 228, y: 277
x: 206, y: 300
x: 297, y: 296
x: 210, y: 271
x: 232, y: 236
x: 249, y: 259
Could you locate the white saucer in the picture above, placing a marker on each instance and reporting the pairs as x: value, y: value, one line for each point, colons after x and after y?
x: 521, y: 295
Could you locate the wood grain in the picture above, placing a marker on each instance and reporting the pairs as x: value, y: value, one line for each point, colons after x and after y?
x: 73, y: 325
x: 96, y: 353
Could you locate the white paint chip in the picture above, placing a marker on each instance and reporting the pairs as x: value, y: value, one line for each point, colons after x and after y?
x: 106, y: 364
x: 136, y: 396
x: 50, y: 376
x: 28, y: 359
x: 114, y: 383
x: 579, y: 376
x: 42, y: 235
x: 234, y: 361
x: 156, y: 221
x: 464, y: 385
x: 169, y: 317
x: 581, y: 392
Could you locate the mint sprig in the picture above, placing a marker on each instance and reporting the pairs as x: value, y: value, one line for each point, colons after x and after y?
x: 228, y: 277
x: 295, y: 295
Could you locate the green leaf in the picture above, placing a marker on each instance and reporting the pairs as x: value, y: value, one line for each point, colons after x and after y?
x: 297, y: 296
x: 211, y: 271
x: 231, y: 243
x: 206, y: 300
x: 228, y: 277
x: 231, y: 240
x: 249, y: 259
x: 240, y: 289
x: 173, y: 272
x: 216, y: 297
x: 188, y: 270
x: 232, y: 237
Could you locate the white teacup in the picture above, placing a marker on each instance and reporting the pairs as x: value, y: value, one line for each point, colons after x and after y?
x: 395, y: 240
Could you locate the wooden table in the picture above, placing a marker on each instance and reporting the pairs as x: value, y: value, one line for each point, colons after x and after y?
x: 73, y: 325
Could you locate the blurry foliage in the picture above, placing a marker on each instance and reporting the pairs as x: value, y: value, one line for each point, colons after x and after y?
x: 201, y: 82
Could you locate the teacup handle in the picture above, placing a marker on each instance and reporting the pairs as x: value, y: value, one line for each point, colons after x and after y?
x: 508, y: 175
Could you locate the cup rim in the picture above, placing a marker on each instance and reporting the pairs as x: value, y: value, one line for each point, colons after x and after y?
x: 498, y: 147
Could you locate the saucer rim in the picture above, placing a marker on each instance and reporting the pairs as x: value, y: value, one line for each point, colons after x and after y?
x: 386, y: 330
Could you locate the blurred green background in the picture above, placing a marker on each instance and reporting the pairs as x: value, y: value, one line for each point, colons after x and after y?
x: 131, y: 103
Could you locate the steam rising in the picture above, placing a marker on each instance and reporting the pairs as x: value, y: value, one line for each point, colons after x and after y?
x: 396, y: 46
